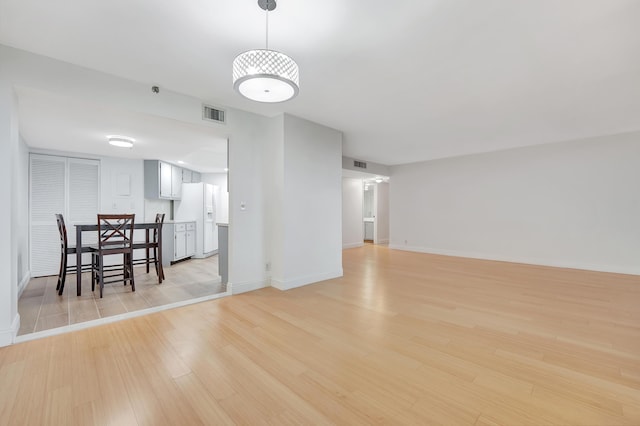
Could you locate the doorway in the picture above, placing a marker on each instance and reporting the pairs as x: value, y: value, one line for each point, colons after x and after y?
x: 365, y: 209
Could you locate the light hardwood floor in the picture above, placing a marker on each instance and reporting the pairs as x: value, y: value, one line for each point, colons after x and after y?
x: 403, y: 338
x: 41, y: 308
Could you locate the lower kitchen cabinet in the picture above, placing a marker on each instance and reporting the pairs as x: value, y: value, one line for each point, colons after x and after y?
x: 178, y: 241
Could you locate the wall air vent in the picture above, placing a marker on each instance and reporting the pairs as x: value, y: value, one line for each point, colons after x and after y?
x: 360, y: 164
x: 210, y: 113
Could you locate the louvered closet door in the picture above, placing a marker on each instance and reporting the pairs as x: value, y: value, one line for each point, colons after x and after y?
x: 83, y: 194
x: 47, y: 197
x: 60, y: 185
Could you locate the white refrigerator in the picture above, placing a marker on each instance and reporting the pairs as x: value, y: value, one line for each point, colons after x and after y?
x: 198, y: 203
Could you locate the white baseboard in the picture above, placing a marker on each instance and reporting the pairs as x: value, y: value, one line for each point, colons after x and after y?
x: 526, y: 260
x: 23, y: 283
x: 237, y: 288
x: 115, y: 318
x: 352, y: 245
x: 205, y: 255
x: 309, y: 279
x: 8, y: 336
x: 383, y: 241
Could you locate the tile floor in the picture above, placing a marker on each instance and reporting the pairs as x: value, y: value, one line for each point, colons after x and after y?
x: 41, y: 308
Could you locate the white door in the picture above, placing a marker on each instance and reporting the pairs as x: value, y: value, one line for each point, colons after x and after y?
x: 46, y: 198
x: 69, y: 186
x: 83, y: 199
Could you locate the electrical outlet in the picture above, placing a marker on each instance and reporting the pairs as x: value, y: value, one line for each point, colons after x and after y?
x: 267, y: 266
x: 405, y: 242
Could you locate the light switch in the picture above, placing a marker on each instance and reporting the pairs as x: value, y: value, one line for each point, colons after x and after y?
x: 243, y: 205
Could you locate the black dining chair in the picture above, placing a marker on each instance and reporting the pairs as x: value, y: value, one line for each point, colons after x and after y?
x: 115, y: 236
x: 151, y: 247
x: 65, y: 251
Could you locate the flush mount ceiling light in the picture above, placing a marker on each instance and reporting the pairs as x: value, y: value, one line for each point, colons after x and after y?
x: 121, y: 141
x: 265, y: 75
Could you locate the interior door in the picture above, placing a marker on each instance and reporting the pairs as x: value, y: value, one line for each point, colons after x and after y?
x: 83, y: 195
x: 46, y: 198
x: 70, y: 186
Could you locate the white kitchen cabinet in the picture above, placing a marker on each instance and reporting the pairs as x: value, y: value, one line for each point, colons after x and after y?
x: 176, y: 182
x: 178, y: 241
x: 165, y: 180
x: 187, y: 176
x: 162, y: 180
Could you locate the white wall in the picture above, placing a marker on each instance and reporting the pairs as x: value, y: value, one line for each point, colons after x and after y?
x: 352, y: 225
x: 153, y: 207
x: 372, y: 168
x: 273, y: 200
x: 111, y: 200
x: 572, y: 204
x: 9, y: 211
x: 247, y: 133
x: 312, y: 204
x: 22, y: 211
x: 381, y: 203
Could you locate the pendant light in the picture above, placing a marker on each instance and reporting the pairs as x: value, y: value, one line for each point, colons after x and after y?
x: 264, y: 75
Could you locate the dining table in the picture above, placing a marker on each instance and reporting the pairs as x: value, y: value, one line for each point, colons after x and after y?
x: 147, y: 244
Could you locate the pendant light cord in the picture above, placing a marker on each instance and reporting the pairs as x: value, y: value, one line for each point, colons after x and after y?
x: 267, y: 26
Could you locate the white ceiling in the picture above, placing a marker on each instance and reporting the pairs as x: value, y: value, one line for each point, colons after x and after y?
x: 49, y: 121
x: 405, y: 81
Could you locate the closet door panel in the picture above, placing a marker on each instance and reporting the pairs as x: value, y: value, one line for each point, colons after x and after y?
x: 70, y: 186
x: 83, y: 194
x: 47, y: 197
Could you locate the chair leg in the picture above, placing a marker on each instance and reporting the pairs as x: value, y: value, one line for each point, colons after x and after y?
x: 124, y: 268
x: 147, y: 262
x: 132, y: 276
x: 61, y: 269
x: 64, y: 274
x: 101, y: 274
x: 157, y: 266
x: 93, y: 271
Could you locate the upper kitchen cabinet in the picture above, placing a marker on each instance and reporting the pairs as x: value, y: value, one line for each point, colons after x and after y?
x: 189, y: 176
x: 162, y: 180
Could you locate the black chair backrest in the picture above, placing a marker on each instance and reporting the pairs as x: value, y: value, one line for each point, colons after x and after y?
x: 115, y: 231
x: 62, y: 229
x: 160, y: 220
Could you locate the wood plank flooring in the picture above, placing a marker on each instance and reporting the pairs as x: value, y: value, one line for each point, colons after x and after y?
x: 41, y: 308
x: 402, y: 338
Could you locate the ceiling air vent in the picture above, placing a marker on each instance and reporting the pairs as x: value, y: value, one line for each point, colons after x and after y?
x: 360, y: 164
x: 210, y: 113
